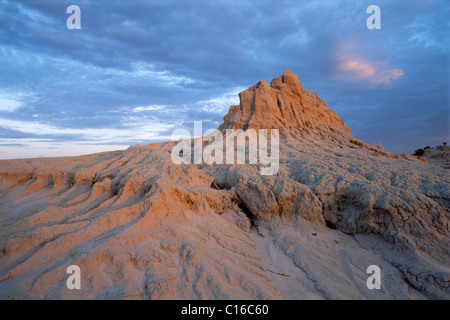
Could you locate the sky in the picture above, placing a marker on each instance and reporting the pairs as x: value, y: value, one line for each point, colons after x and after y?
x: 138, y: 70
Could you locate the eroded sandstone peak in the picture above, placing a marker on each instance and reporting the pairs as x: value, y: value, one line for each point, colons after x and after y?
x: 283, y: 105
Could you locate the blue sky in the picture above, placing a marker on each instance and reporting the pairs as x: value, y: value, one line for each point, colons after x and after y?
x: 137, y: 70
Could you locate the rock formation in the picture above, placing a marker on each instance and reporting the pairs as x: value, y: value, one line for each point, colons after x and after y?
x: 284, y: 105
x: 141, y: 227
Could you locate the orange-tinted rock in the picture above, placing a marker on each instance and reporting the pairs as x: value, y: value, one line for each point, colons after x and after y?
x: 282, y: 105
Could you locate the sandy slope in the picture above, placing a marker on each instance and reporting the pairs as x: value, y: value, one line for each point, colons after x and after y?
x: 141, y: 227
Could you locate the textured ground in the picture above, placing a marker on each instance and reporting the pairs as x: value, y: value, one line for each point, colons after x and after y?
x: 141, y: 227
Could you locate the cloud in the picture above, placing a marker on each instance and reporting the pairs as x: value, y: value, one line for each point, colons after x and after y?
x: 376, y: 73
x: 354, y: 63
x: 148, y: 108
x: 10, y: 102
x: 222, y: 103
x: 131, y: 129
x: 298, y: 38
x: 145, y: 70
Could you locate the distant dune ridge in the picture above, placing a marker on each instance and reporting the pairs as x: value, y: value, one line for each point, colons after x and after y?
x: 141, y: 227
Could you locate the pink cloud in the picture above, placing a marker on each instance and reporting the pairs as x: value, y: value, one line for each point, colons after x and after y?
x: 354, y: 67
x: 376, y: 73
